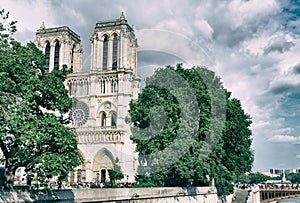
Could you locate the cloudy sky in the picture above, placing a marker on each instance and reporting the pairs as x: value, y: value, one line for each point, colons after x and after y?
x: 253, y: 45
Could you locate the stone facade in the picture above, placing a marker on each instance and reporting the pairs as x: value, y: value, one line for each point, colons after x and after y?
x: 102, y: 94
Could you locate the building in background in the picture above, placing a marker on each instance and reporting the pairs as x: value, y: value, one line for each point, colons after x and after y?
x: 102, y: 95
x: 281, y: 171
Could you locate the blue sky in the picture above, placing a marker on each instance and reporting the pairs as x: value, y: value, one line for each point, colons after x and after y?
x: 253, y: 45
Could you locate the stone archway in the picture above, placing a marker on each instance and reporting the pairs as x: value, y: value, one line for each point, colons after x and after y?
x: 102, y: 163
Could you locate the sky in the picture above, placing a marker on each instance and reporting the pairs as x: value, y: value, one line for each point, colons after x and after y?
x: 253, y: 45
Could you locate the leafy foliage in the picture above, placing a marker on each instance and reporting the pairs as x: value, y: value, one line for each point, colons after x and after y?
x: 33, y: 131
x: 115, y: 174
x: 293, y: 177
x: 184, y: 134
x: 255, y: 178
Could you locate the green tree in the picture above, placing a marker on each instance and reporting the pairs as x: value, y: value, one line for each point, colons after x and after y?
x: 257, y: 177
x: 33, y: 131
x: 237, y: 157
x: 293, y: 177
x: 182, y: 129
x: 237, y: 139
x: 115, y: 174
x: 243, y: 179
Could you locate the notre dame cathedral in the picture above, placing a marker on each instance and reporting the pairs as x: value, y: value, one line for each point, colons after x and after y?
x: 102, y: 95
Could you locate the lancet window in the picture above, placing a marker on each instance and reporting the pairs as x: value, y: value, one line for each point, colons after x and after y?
x: 105, y: 52
x: 56, y: 54
x: 47, y: 53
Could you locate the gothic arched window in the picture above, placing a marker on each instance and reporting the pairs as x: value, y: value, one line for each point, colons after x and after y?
x: 47, y: 53
x: 113, y: 119
x: 115, y: 52
x: 103, y: 119
x: 105, y: 52
x: 56, y: 54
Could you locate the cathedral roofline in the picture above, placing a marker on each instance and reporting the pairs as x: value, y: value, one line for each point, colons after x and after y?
x: 58, y: 29
x: 107, y: 21
x: 113, y: 22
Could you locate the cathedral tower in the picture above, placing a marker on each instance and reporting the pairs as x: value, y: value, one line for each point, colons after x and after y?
x: 61, y: 46
x: 114, y: 46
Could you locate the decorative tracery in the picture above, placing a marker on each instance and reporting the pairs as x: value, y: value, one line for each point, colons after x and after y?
x: 79, y: 113
x: 107, y: 84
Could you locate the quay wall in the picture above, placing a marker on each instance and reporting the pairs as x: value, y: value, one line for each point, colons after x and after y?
x: 118, y: 195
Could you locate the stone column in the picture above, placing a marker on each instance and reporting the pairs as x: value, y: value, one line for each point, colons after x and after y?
x: 135, y: 60
x: 62, y: 53
x: 77, y: 58
x: 124, y: 51
x: 95, y: 56
x: 100, y: 54
x: 94, y: 85
x: 120, y: 52
x: 92, y: 53
x: 106, y: 86
x: 68, y: 47
x: 89, y: 171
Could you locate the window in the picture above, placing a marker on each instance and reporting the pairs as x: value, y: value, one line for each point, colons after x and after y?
x: 113, y: 119
x: 105, y: 52
x: 103, y: 119
x: 72, y: 56
x: 56, y: 54
x: 103, y: 87
x: 47, y: 54
x: 115, y: 53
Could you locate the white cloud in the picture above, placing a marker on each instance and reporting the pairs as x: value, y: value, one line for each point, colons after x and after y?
x: 29, y: 15
x: 204, y: 28
x: 246, y: 11
x: 279, y: 43
x: 284, y: 139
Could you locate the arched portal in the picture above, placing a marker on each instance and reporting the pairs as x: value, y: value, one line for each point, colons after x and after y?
x: 103, y: 162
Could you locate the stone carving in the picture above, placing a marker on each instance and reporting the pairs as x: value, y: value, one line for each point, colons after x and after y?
x: 107, y: 106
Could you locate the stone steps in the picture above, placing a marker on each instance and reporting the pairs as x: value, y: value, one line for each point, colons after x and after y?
x: 240, y: 196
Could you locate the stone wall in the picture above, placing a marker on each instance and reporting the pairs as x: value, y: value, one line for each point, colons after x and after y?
x: 161, y: 195
x: 118, y: 195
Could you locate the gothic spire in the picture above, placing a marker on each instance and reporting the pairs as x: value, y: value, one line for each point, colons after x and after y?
x: 42, y: 26
x: 122, y: 17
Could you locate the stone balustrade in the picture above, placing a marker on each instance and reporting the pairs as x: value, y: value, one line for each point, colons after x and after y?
x: 99, y: 135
